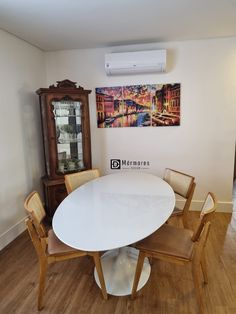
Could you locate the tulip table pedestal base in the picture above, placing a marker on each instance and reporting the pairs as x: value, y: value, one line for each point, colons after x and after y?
x: 119, y: 267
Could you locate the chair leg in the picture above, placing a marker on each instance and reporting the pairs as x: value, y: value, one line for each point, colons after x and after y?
x: 185, y: 220
x: 98, y: 266
x: 42, y: 278
x: 204, y: 268
x: 198, y: 287
x: 138, y: 271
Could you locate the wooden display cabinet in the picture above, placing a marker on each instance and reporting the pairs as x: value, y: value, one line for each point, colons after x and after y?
x: 66, y: 137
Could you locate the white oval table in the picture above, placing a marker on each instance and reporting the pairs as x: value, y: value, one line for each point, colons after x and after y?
x: 111, y: 212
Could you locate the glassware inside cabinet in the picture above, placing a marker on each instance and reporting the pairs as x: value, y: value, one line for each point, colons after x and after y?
x: 67, y: 116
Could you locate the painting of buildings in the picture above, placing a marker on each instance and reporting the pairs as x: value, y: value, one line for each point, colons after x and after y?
x: 138, y: 105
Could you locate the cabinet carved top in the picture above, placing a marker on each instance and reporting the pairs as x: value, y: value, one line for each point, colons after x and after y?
x: 63, y: 86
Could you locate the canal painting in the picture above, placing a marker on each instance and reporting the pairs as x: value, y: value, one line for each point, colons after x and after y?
x: 138, y: 105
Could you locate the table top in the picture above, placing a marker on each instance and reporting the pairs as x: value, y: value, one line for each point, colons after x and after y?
x: 113, y: 211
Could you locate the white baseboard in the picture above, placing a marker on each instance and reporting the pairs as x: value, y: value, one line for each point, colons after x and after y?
x: 224, y: 207
x: 12, y: 233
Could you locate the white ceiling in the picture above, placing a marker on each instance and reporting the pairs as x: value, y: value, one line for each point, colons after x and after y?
x: 68, y: 24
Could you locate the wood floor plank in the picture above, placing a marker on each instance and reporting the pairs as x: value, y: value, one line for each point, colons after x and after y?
x: 71, y: 288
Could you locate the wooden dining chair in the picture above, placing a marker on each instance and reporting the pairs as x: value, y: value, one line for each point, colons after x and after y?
x: 74, y: 180
x: 49, y: 248
x: 183, y: 186
x: 180, y: 246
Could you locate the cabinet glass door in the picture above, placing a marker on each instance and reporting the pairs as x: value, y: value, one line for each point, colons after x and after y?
x: 67, y: 116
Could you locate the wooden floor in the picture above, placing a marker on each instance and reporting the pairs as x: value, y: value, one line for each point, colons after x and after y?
x: 71, y: 287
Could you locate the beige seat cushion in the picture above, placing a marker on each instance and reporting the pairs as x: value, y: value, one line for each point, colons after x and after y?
x: 179, y: 205
x: 56, y: 246
x: 177, y: 212
x: 170, y: 241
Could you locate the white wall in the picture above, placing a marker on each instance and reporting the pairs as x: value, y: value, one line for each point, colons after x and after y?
x: 21, y: 158
x: 203, y: 145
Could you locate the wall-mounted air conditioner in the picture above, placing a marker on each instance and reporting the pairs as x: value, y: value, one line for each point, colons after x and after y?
x: 135, y: 62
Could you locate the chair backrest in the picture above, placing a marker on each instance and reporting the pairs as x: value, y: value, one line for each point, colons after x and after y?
x: 180, y: 182
x: 35, y: 209
x: 74, y: 180
x: 40, y: 243
x: 206, y: 215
